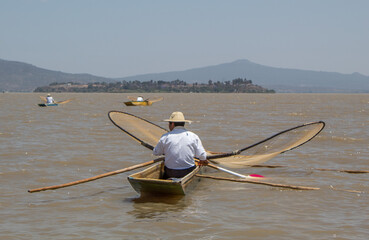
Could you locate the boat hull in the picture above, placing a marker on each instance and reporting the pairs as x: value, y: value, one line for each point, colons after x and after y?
x: 138, y: 103
x: 47, y: 104
x: 148, y: 181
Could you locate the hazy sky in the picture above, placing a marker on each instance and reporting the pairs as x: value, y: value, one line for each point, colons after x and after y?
x: 119, y: 38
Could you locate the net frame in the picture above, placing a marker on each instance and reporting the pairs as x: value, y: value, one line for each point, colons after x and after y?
x: 142, y: 142
x: 237, y: 152
x: 270, y: 147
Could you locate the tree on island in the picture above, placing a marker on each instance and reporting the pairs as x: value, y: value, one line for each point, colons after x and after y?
x: 237, y: 85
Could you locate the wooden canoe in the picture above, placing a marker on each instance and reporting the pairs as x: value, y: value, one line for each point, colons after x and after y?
x: 138, y: 103
x: 148, y: 181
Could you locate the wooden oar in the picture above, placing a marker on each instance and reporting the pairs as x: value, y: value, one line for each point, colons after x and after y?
x: 97, y: 177
x: 259, y: 182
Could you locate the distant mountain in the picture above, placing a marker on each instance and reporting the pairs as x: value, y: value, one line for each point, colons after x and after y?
x: 18, y: 76
x: 279, y: 79
x: 23, y: 77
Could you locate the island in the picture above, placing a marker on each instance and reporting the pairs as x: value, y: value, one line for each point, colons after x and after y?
x: 237, y: 85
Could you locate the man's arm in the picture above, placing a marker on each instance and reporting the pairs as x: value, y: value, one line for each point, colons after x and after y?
x: 158, y: 150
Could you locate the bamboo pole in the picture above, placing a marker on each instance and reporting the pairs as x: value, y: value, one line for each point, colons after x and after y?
x: 96, y: 177
x: 346, y: 190
x: 259, y: 182
x: 341, y: 170
x: 318, y: 169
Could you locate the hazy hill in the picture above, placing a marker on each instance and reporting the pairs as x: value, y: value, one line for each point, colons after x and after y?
x: 279, y: 79
x: 17, y: 76
x: 23, y: 77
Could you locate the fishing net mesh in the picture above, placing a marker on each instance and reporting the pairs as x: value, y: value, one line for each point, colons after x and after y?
x: 272, y: 146
x: 138, y: 128
x: 144, y: 131
x: 155, y: 99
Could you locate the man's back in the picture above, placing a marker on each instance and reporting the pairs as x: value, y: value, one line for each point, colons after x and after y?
x: 180, y: 147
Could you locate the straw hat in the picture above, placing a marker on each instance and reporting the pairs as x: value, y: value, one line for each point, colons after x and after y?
x: 48, y: 95
x: 177, y: 117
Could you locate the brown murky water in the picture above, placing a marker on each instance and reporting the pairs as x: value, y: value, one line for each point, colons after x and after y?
x: 54, y: 145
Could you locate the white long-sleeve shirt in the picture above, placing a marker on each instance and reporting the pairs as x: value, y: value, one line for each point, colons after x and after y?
x: 49, y: 99
x: 180, y: 147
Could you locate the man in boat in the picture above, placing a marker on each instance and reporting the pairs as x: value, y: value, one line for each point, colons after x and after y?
x: 49, y: 99
x: 140, y: 99
x: 179, y: 147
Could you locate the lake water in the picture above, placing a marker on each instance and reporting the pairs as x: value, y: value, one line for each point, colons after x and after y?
x: 47, y: 146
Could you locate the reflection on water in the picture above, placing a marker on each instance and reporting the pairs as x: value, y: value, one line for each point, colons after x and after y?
x: 157, y: 206
x: 155, y: 198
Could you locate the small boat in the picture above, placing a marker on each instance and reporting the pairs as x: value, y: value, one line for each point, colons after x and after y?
x: 47, y: 104
x: 138, y: 103
x: 148, y: 181
x: 147, y: 102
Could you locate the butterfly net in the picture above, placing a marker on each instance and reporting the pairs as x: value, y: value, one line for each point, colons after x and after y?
x: 138, y: 128
x: 148, y: 134
x: 270, y: 147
